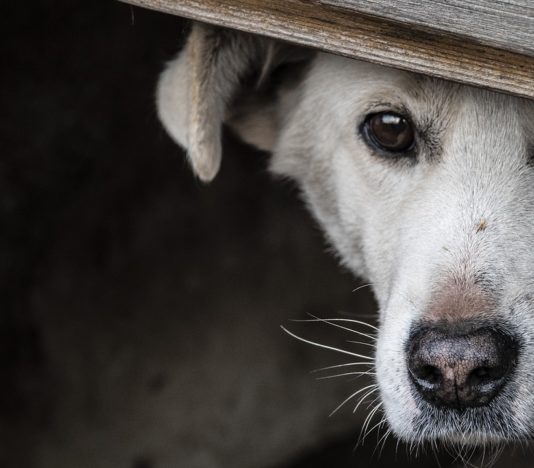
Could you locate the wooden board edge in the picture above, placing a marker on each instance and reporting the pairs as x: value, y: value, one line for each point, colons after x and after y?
x: 364, y: 37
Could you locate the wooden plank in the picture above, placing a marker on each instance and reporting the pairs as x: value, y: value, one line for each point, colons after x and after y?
x: 504, y: 24
x: 325, y: 26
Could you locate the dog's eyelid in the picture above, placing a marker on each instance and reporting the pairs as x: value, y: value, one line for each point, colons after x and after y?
x: 394, y: 106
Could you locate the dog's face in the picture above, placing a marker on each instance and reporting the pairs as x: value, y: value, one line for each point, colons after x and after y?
x: 436, y: 210
x: 426, y: 189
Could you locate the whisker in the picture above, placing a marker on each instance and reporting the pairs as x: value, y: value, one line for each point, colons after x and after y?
x: 319, y: 345
x: 332, y: 323
x: 362, y: 399
x: 364, y: 433
x: 373, y: 401
x: 382, y: 442
x: 359, y: 374
x: 372, y: 345
x: 434, y: 450
x: 370, y: 431
x: 343, y: 365
x: 339, y: 319
x: 351, y: 397
x: 366, y: 422
x: 497, y: 452
x: 388, y: 433
x: 361, y: 287
x: 397, y: 448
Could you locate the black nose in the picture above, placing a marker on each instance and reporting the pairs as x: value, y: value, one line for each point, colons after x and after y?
x: 458, y: 368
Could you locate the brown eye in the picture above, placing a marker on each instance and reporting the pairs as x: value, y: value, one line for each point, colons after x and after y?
x: 389, y: 132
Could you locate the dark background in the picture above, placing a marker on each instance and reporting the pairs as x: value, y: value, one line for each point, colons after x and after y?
x: 118, y: 270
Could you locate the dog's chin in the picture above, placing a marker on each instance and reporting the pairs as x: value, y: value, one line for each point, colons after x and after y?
x: 461, y: 440
x: 471, y: 427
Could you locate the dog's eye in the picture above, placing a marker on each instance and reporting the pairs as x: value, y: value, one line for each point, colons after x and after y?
x: 389, y: 132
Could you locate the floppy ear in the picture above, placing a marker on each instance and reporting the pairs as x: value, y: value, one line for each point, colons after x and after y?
x: 221, y: 75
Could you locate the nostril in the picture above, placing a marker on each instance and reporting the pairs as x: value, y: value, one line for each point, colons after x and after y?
x: 427, y: 375
x: 486, y: 375
x: 479, y: 376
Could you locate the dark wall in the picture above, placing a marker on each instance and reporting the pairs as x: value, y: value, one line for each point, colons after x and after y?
x: 115, y: 260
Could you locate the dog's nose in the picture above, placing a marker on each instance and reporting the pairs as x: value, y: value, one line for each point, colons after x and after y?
x: 459, y: 369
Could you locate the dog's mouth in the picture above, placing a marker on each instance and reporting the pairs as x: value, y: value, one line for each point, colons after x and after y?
x: 469, y: 427
x: 492, y: 425
x: 472, y: 437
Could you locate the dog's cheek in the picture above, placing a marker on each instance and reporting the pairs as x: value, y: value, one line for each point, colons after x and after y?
x: 398, y: 404
x: 391, y: 367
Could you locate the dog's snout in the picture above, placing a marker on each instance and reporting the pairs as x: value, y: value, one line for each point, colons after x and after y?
x: 459, y: 369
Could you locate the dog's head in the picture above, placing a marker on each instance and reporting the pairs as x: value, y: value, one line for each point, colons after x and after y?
x: 425, y: 188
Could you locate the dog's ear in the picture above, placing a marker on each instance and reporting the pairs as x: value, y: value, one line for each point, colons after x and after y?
x: 222, y: 76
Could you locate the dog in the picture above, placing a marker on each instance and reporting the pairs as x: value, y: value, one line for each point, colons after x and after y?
x: 425, y: 188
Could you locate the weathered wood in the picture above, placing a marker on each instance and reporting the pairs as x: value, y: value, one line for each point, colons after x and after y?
x: 507, y: 24
x: 338, y: 27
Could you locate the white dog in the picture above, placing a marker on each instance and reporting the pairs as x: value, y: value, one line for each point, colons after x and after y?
x: 426, y: 190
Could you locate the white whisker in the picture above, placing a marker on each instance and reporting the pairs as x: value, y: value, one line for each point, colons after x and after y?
x: 376, y: 426
x: 359, y: 374
x: 361, y: 287
x: 367, y: 421
x: 351, y: 397
x: 362, y: 399
x: 343, y: 365
x: 373, y: 401
x: 319, y: 345
x: 384, y: 438
x: 332, y: 323
x: 372, y: 345
x: 339, y: 319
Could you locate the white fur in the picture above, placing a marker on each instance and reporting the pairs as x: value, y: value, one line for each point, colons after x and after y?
x: 406, y: 227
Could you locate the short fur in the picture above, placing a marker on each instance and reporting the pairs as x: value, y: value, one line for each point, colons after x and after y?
x: 446, y: 236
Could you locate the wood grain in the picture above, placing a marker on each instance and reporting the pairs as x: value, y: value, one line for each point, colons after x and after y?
x: 337, y: 27
x: 505, y: 24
